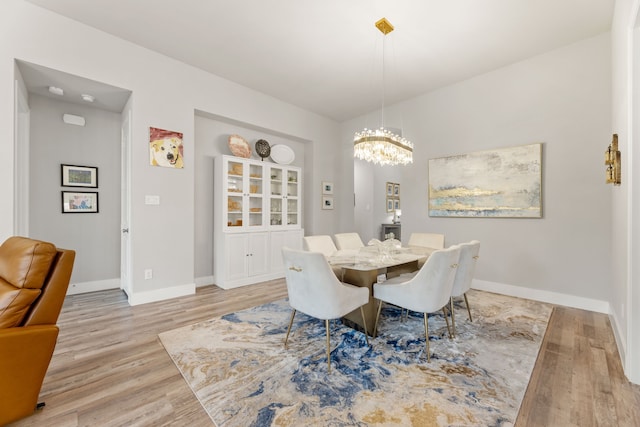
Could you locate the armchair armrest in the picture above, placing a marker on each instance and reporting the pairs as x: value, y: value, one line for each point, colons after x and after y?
x: 25, y: 353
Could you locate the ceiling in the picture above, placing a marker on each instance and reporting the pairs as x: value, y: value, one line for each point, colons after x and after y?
x: 38, y: 79
x: 326, y: 55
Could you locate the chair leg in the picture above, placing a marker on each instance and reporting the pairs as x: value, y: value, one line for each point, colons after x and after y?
x: 426, y: 335
x: 466, y: 302
x: 453, y: 316
x: 375, y: 327
x: 326, y: 324
x: 293, y: 313
x: 364, y: 322
x: 446, y: 319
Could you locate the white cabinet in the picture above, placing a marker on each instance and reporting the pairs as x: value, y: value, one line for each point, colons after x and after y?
x: 247, y: 255
x: 284, y: 197
x: 257, y: 211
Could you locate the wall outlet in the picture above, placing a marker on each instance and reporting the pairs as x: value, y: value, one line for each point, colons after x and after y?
x: 148, y: 274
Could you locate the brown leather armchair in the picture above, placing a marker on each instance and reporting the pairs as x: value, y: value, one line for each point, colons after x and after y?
x: 34, y: 277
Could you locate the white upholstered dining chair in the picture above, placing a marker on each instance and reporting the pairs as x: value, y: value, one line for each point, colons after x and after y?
x: 464, y: 275
x: 348, y: 241
x: 426, y: 242
x: 315, y: 291
x: 323, y: 244
x: 426, y: 291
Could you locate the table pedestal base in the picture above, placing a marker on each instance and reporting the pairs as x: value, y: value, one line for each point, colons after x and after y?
x: 367, y: 278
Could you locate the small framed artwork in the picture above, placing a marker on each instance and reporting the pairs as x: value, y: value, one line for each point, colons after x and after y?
x: 396, y: 204
x: 389, y: 205
x: 165, y: 148
x: 327, y: 187
x: 327, y: 202
x: 79, y: 176
x: 84, y: 202
x: 396, y: 190
x: 389, y: 189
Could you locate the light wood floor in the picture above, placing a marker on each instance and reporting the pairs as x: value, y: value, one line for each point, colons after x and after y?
x: 109, y: 368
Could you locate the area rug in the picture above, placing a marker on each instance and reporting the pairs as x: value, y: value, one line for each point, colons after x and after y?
x: 242, y: 375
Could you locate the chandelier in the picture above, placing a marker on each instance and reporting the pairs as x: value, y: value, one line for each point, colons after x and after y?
x: 382, y: 146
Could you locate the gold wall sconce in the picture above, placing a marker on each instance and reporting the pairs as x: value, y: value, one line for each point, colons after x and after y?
x: 612, y: 161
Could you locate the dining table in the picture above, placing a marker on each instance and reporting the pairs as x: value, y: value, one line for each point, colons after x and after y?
x: 370, y: 265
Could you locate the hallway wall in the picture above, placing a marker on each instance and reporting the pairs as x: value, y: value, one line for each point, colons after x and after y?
x: 94, y: 236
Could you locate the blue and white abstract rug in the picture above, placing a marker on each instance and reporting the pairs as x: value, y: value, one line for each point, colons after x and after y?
x: 243, y: 376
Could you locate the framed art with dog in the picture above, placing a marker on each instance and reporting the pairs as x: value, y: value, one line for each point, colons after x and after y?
x: 165, y: 148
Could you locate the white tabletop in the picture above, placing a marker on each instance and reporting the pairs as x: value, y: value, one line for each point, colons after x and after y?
x: 374, y: 258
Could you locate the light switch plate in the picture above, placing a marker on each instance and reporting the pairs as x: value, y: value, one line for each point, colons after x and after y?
x: 151, y: 200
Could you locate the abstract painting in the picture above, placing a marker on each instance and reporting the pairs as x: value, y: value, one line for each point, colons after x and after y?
x: 505, y: 182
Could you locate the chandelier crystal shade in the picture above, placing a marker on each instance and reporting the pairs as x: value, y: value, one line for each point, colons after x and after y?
x: 382, y: 146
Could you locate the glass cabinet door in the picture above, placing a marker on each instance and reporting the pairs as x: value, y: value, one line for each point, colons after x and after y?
x: 276, y: 198
x: 245, y: 195
x: 292, y: 197
x: 235, y: 193
x: 284, y: 197
x: 255, y: 195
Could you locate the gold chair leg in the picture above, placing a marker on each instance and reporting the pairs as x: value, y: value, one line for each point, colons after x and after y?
x: 426, y: 335
x: 375, y: 327
x: 293, y: 313
x: 446, y: 319
x: 326, y: 324
x: 364, y: 322
x: 466, y: 302
x: 453, y: 317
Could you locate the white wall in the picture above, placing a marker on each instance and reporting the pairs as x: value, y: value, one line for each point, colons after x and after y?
x: 95, y: 236
x: 561, y: 99
x: 165, y: 94
x: 371, y: 209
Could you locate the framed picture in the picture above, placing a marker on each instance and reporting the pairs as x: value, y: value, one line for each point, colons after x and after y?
x: 165, y: 148
x: 389, y: 189
x: 499, y: 183
x: 327, y: 202
x: 389, y: 204
x: 396, y: 204
x: 83, y: 202
x: 396, y: 190
x: 327, y: 187
x: 79, y: 176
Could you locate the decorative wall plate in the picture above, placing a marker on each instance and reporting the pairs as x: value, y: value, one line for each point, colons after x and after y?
x: 263, y: 148
x: 239, y: 146
x: 282, y: 154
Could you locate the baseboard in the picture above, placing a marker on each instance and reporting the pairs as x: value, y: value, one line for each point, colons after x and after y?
x: 621, y: 342
x: 93, y: 286
x: 230, y: 284
x: 137, y: 298
x: 543, y: 296
x: 205, y: 281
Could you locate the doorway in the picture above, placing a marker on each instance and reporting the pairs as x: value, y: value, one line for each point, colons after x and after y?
x: 46, y: 145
